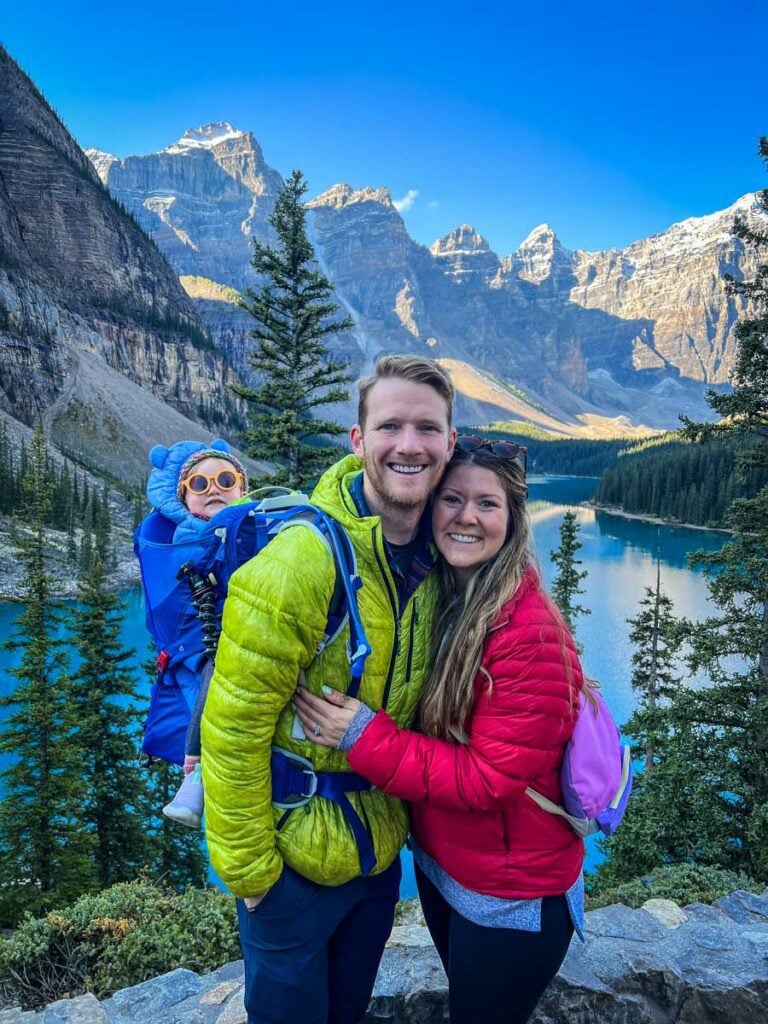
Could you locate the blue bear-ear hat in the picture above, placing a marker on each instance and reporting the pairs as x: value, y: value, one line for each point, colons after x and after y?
x: 169, y: 465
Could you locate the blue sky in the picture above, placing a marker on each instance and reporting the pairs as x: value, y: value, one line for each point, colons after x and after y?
x: 607, y: 122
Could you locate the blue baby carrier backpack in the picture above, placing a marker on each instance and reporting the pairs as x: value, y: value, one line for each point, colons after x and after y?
x: 185, y: 566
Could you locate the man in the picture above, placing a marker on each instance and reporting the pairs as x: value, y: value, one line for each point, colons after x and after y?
x: 317, y: 879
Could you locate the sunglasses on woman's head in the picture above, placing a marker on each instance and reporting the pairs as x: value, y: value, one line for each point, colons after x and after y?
x: 200, y: 483
x: 507, y: 450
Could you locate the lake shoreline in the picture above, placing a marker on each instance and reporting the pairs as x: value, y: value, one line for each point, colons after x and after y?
x: 616, y: 510
x: 124, y: 577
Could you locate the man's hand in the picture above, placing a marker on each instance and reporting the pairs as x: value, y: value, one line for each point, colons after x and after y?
x: 251, y: 902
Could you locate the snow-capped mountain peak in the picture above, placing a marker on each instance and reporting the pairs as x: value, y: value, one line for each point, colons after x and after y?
x: 101, y: 161
x: 205, y: 137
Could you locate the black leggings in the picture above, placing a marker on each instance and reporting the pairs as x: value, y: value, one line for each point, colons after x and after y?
x: 495, y: 975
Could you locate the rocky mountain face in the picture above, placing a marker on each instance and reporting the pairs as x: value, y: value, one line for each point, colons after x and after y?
x: 97, y: 336
x: 578, y: 342
x: 202, y: 199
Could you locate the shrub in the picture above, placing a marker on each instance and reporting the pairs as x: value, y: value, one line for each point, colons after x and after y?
x: 683, y: 883
x: 116, y: 938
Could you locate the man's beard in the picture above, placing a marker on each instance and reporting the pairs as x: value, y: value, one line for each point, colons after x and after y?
x: 390, y: 499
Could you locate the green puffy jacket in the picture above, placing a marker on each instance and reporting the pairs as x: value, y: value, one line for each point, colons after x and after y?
x: 274, y: 616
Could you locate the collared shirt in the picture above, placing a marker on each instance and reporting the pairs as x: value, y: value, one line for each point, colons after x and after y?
x: 419, y: 558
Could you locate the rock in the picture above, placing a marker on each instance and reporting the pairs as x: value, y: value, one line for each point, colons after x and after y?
x: 744, y: 907
x: 19, y: 1016
x: 667, y: 912
x: 410, y: 928
x: 216, y: 996
x: 81, y: 1010
x: 410, y: 935
x: 151, y: 1002
x: 709, y: 966
x: 228, y: 972
x: 411, y: 988
x: 234, y: 1012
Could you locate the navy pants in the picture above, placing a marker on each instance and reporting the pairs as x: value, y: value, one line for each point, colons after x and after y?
x: 311, y: 951
x: 495, y: 975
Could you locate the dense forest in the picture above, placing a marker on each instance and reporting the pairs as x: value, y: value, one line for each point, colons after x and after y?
x: 549, y: 455
x: 672, y: 479
x: 78, y: 508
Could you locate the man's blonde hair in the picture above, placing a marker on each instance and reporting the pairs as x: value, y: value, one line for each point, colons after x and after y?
x: 416, y: 369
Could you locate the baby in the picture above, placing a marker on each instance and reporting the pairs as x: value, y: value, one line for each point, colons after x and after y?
x: 207, y: 480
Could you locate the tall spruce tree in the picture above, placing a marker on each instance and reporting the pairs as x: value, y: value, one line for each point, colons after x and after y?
x: 734, y: 710
x: 176, y: 853
x: 707, y: 797
x: 106, y: 732
x: 656, y: 639
x: 565, y: 585
x: 294, y: 318
x: 661, y: 825
x: 44, y: 854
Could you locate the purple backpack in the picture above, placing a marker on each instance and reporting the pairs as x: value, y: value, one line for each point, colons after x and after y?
x: 596, y: 776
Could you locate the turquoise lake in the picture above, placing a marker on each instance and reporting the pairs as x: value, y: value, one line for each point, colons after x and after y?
x: 619, y: 555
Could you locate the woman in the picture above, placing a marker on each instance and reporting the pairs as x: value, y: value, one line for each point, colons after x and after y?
x: 499, y: 878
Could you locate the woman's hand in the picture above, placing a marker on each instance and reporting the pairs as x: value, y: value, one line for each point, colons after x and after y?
x: 325, y: 719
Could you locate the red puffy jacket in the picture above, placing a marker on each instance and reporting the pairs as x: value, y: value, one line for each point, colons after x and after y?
x: 469, y: 810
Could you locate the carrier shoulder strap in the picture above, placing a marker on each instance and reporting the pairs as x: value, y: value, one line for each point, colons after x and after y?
x: 347, y: 584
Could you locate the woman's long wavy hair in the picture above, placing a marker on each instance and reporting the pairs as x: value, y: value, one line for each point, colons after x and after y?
x: 464, y: 618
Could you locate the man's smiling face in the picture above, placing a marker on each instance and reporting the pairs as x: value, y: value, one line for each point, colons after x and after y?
x: 405, y: 443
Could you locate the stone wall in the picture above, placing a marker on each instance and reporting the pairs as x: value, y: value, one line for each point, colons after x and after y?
x: 657, y: 965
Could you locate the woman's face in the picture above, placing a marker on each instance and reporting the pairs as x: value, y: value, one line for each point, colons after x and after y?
x: 470, y: 517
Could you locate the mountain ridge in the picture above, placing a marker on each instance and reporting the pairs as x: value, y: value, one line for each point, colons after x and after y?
x: 584, y: 334
x: 82, y: 286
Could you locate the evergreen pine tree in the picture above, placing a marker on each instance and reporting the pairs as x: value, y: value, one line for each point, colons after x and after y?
x: 103, y: 528
x: 44, y: 855
x: 176, y: 854
x: 565, y: 586
x: 656, y: 639
x: 661, y: 825
x: 6, y: 472
x: 106, y: 732
x: 85, y: 558
x: 735, y: 708
x: 293, y: 313
x: 71, y: 541
x: 139, y: 506
x: 77, y: 507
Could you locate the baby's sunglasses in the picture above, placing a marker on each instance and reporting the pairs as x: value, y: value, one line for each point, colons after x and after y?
x: 507, y: 450
x: 200, y: 483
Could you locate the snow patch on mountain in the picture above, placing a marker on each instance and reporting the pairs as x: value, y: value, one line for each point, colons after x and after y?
x: 205, y: 137
x: 101, y: 161
x: 341, y: 195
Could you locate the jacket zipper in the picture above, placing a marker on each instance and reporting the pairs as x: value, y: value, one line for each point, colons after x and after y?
x: 384, y: 569
x: 411, y: 639
x: 505, y: 831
